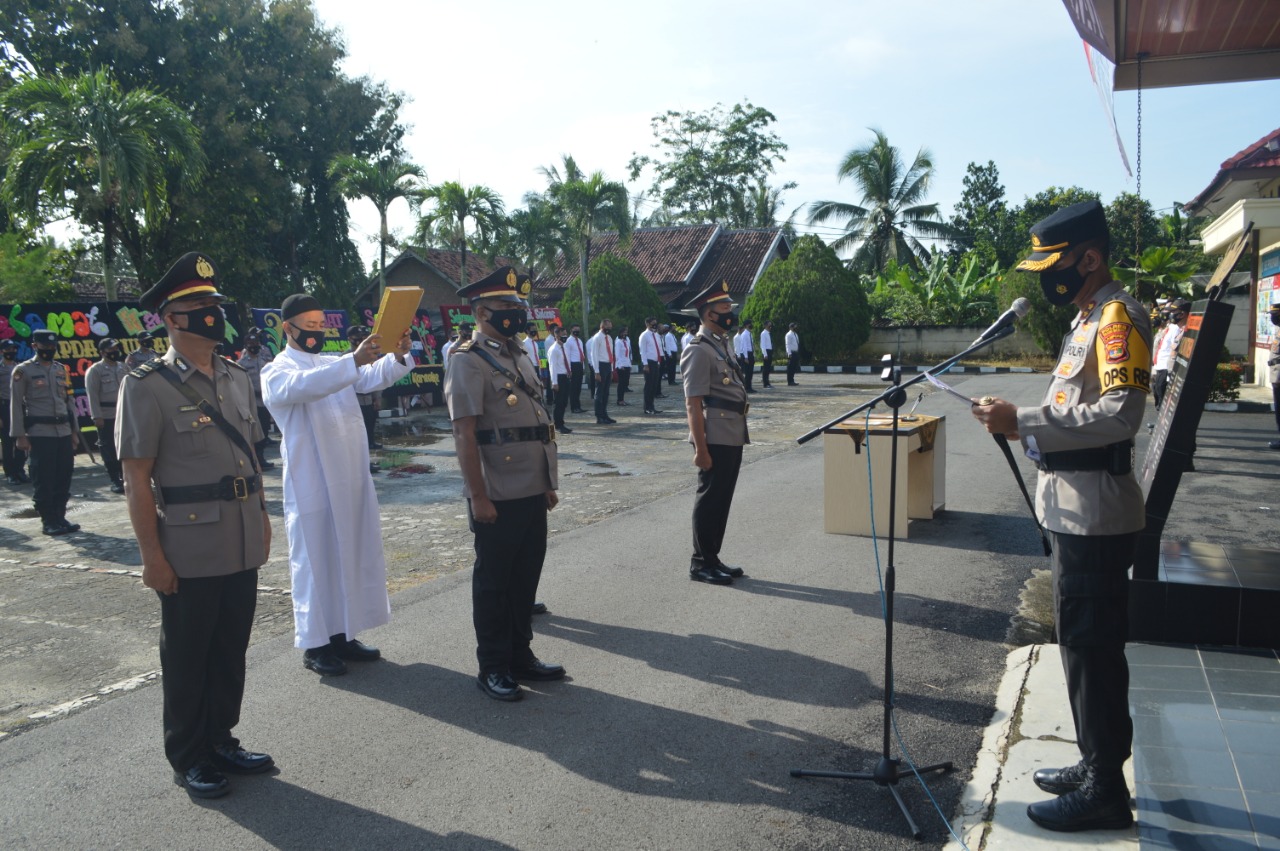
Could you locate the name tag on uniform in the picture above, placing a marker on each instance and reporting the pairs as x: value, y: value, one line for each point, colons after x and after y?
x: 182, y: 409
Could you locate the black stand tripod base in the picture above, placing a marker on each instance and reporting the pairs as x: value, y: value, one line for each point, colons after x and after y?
x: 887, y: 774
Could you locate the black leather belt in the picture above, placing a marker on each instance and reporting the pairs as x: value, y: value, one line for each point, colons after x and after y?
x: 1115, y: 458
x: 544, y: 433
x: 107, y: 404
x: 45, y: 420
x: 230, y: 488
x: 736, y: 407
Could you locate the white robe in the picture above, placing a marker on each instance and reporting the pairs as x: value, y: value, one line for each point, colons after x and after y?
x: 330, y: 507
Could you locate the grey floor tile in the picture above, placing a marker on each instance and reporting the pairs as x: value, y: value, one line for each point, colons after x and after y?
x: 1202, y: 734
x: 1259, y: 772
x: 1258, y: 708
x: 1162, y: 838
x: 1264, y: 661
x: 1175, y: 704
x: 1177, y: 767
x: 1167, y: 678
x: 1193, y: 810
x: 1182, y: 656
x: 1241, y: 682
x: 1247, y: 737
x: 1264, y: 807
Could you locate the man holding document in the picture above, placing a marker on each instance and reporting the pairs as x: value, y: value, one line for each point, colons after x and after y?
x: 331, y: 511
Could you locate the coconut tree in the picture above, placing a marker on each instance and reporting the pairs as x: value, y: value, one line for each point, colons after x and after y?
x: 892, y: 218
x: 382, y: 181
x: 587, y: 204
x: 453, y: 205
x: 84, y: 144
x: 534, y: 237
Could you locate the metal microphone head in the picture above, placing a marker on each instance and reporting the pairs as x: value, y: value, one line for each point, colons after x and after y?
x: 1020, y: 307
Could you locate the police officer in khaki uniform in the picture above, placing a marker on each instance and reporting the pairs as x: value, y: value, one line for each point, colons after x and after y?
x: 715, y: 400
x: 42, y: 420
x: 14, y: 458
x: 1081, y: 437
x: 102, y: 384
x: 144, y: 352
x: 1273, y: 366
x: 252, y: 360
x: 185, y: 431
x: 507, y: 455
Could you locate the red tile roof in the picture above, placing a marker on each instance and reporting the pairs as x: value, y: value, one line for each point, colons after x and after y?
x: 449, y: 263
x: 1264, y: 153
x: 667, y: 257
x: 738, y: 256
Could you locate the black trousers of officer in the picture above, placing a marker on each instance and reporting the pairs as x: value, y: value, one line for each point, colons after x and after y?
x: 1091, y: 606
x: 14, y: 458
x: 766, y: 367
x: 1159, y: 383
x: 711, y: 504
x: 264, y: 419
x: 561, y: 400
x: 591, y: 383
x: 624, y: 382
x: 509, y: 557
x: 1275, y: 401
x: 669, y: 366
x: 652, y: 382
x: 604, y: 374
x: 52, y: 461
x: 107, y: 444
x: 370, y: 415
x: 793, y: 366
x: 575, y: 386
x: 204, y: 633
x: 748, y: 369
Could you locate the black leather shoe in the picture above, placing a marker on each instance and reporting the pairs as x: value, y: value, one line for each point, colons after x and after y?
x: 735, y: 572
x: 202, y: 781
x: 1273, y: 444
x: 266, y: 465
x: 324, y: 662
x: 1084, y: 809
x: 538, y: 671
x: 117, y: 487
x: 611, y: 421
x: 539, y: 608
x: 563, y: 430
x: 355, y: 651
x: 1060, y: 781
x: 577, y: 410
x: 14, y: 480
x: 233, y: 759
x: 499, y: 686
x: 710, y: 574
x: 60, y: 527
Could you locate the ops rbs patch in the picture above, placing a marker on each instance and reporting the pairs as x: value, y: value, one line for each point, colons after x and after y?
x: 1123, y: 355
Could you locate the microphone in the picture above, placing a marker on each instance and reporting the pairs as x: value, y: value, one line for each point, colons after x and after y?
x: 1016, y: 311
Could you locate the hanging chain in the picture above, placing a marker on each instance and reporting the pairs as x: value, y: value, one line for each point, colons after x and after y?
x: 1137, y: 207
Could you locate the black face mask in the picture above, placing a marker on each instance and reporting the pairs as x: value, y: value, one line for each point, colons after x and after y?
x: 1061, y: 286
x: 115, y: 355
x: 45, y: 354
x: 208, y: 322
x: 509, y: 322
x: 146, y: 344
x: 726, y: 320
x: 311, y: 342
x: 254, y: 348
x: 10, y: 355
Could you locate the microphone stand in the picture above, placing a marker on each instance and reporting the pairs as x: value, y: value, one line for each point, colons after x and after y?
x: 888, y: 771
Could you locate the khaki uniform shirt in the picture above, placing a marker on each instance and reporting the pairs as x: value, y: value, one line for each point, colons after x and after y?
x: 102, y: 383
x: 1097, y: 397
x: 707, y: 368
x: 253, y: 365
x: 41, y: 389
x: 1274, y: 360
x: 6, y: 378
x: 156, y: 421
x: 473, y: 388
x: 139, y: 356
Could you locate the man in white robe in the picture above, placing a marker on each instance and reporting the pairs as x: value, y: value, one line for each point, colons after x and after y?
x: 331, y: 510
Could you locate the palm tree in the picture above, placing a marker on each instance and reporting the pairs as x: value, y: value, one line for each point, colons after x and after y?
x: 382, y: 182
x: 586, y: 204
x: 534, y: 237
x: 889, y: 224
x: 85, y: 144
x: 454, y: 204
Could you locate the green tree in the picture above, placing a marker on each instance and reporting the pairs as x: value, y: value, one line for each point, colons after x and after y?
x: 33, y: 271
x: 707, y: 159
x: 382, y: 181
x: 1046, y: 323
x: 586, y: 204
x: 454, y: 204
x: 84, y: 144
x: 1134, y: 228
x: 618, y: 291
x: 1042, y: 205
x: 533, y: 238
x: 982, y: 221
x: 261, y: 80
x: 891, y: 220
x: 814, y: 288
x: 1162, y: 271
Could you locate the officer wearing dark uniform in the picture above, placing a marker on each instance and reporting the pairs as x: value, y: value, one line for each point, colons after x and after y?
x: 1273, y: 368
x: 144, y: 352
x: 185, y: 432
x: 102, y: 385
x: 507, y: 455
x: 715, y: 401
x: 356, y: 335
x: 14, y: 458
x: 1081, y: 437
x: 42, y: 419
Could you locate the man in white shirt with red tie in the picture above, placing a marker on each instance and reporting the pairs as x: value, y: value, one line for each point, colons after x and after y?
x: 600, y: 357
x: 651, y: 363
x: 671, y: 353
x: 622, y: 362
x: 558, y: 367
x: 577, y: 361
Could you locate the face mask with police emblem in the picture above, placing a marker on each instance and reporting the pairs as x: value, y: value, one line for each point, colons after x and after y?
x: 115, y: 355
x: 311, y: 342
x: 1060, y: 286
x: 9, y: 354
x: 726, y: 320
x: 208, y: 322
x: 45, y: 354
x: 509, y: 322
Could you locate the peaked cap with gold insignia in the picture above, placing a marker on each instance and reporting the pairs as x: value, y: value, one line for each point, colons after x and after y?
x: 1055, y: 235
x: 504, y: 283
x: 192, y: 276
x: 717, y: 292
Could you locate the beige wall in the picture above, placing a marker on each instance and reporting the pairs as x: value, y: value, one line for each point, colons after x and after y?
x: 929, y: 345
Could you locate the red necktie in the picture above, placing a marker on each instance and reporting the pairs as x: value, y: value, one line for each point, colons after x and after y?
x: 609, y: 344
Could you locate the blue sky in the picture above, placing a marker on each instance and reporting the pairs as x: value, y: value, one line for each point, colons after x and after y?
x: 500, y: 88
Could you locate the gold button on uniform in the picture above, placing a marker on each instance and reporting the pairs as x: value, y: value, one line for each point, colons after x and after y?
x: 191, y: 517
